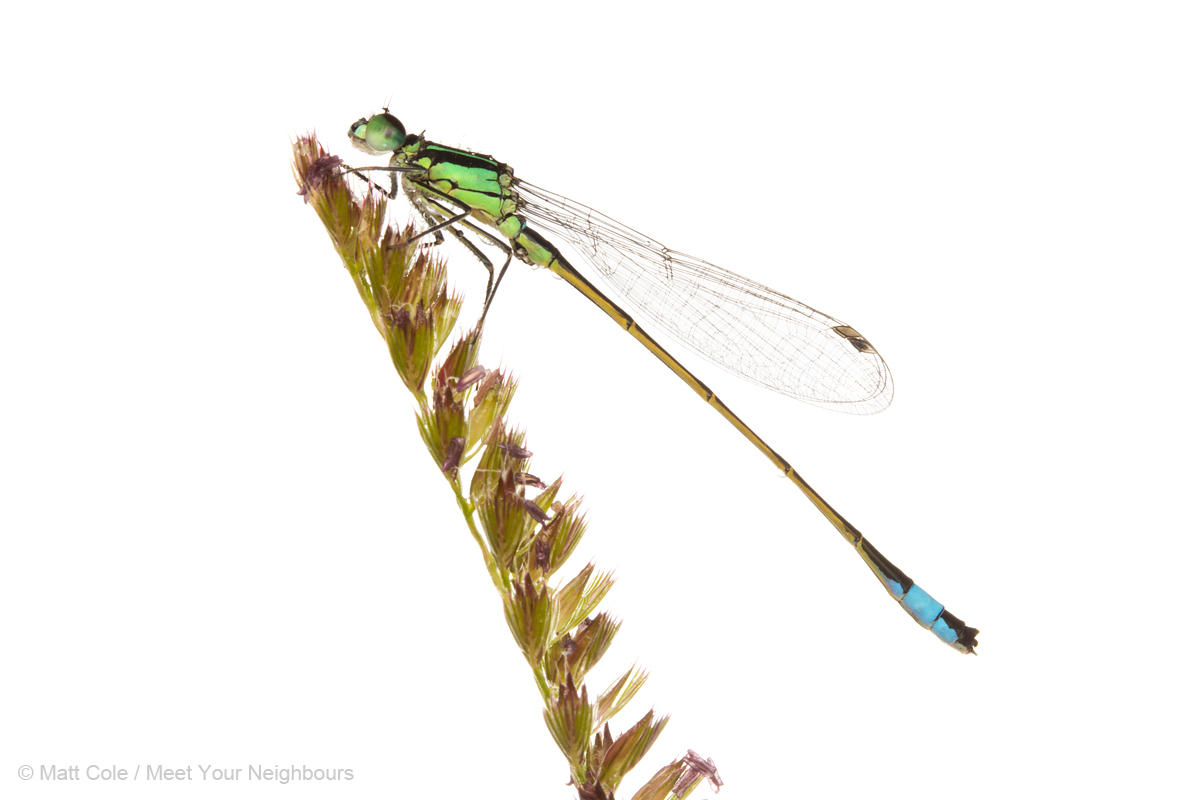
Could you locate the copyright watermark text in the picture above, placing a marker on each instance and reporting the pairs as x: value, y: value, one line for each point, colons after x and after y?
x: 156, y: 773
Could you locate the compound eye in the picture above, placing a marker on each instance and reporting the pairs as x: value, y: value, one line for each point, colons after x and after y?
x: 382, y: 133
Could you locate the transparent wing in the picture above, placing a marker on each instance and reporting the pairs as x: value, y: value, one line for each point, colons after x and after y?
x: 737, y: 324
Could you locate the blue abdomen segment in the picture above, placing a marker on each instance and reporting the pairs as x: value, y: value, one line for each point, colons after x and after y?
x: 929, y: 613
x: 920, y: 605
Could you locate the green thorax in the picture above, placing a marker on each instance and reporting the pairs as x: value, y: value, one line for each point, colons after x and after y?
x: 477, y: 181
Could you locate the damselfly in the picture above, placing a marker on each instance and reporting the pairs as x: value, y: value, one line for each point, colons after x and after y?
x: 742, y: 326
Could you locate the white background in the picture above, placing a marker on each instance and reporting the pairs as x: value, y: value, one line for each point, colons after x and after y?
x: 223, y: 543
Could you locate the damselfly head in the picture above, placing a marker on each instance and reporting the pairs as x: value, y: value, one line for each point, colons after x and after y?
x: 382, y: 133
